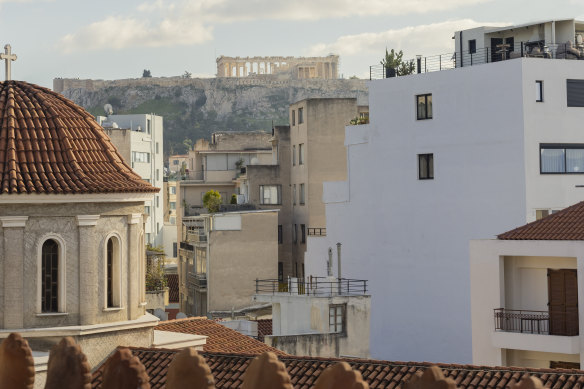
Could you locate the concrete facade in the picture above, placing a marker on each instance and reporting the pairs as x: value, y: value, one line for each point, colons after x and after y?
x: 409, y: 236
x: 513, y: 275
x: 220, y: 258
x: 297, y: 68
x: 139, y: 139
x: 81, y: 226
x: 276, y: 173
x: 300, y: 325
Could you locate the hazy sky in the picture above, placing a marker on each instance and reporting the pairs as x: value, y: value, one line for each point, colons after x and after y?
x: 118, y: 39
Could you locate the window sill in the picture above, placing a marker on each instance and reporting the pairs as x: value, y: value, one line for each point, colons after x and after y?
x: 51, y: 314
x: 113, y: 309
x: 142, y: 304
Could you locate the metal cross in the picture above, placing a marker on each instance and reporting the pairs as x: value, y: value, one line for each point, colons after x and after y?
x: 8, y: 57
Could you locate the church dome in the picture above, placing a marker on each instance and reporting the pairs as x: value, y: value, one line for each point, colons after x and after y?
x: 48, y: 144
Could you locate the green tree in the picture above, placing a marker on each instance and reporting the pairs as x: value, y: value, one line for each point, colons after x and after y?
x: 187, y: 74
x: 394, y: 60
x: 234, y: 199
x: 146, y: 73
x: 188, y: 143
x: 212, y: 201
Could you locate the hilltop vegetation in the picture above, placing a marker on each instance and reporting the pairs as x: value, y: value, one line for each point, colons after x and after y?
x: 203, y: 106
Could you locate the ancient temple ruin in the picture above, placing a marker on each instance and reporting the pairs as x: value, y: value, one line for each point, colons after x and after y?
x: 297, y: 67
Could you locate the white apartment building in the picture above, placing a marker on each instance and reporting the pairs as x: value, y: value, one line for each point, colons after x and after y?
x: 448, y: 156
x: 525, y: 288
x: 139, y: 140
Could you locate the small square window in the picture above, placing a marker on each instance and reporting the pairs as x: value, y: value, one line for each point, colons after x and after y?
x: 426, y: 166
x: 424, y: 106
x: 539, y: 91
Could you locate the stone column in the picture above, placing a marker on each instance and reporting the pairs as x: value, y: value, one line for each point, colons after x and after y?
x: 89, y: 304
x: 133, y: 280
x: 14, y: 270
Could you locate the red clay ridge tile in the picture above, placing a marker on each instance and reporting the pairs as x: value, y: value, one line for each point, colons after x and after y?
x: 48, y: 144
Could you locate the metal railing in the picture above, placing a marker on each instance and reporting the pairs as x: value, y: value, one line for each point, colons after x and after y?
x: 313, y: 286
x: 536, y: 49
x: 187, y: 246
x: 316, y: 231
x: 536, y: 322
x: 195, y: 237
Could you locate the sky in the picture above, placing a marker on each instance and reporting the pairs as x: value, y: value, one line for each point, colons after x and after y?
x: 119, y: 39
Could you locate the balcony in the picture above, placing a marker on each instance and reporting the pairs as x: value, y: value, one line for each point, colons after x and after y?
x: 535, y: 49
x: 536, y: 322
x: 186, y: 246
x: 196, y: 237
x: 320, y: 231
x: 198, y: 280
x: 313, y: 286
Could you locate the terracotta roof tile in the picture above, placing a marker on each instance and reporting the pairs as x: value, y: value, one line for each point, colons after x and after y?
x: 48, y: 144
x: 264, y: 328
x: 220, y: 338
x: 567, y: 224
x: 172, y: 282
x: 228, y: 371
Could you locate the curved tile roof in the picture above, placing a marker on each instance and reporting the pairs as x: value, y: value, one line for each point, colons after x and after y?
x: 50, y: 145
x: 567, y: 224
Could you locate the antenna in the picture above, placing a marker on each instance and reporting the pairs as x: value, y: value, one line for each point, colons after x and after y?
x: 108, y: 109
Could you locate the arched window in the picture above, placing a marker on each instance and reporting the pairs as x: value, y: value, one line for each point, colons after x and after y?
x: 112, y: 273
x: 50, y: 276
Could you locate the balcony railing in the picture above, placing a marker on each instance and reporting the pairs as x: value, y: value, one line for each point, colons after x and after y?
x: 195, y: 237
x: 186, y: 246
x: 536, y: 49
x: 316, y: 231
x: 313, y: 286
x: 536, y: 322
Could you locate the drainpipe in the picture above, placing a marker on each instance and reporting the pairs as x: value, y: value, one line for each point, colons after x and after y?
x: 339, y: 264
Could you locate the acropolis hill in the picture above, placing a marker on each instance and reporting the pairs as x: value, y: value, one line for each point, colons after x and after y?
x: 195, y: 107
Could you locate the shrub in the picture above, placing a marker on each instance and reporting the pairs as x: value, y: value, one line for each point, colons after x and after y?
x: 212, y: 201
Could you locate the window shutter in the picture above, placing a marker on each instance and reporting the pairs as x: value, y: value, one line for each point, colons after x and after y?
x: 575, y: 92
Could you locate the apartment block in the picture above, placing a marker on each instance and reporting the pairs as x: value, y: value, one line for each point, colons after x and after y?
x: 449, y: 156
x: 139, y: 139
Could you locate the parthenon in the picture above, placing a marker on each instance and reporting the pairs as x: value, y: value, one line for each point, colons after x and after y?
x: 298, y: 67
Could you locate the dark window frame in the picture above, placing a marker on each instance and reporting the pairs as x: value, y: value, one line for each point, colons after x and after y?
x: 574, y: 93
x: 300, y: 115
x: 472, y: 46
x: 280, y: 234
x: 303, y: 233
x: 425, y: 116
x: 293, y: 118
x: 560, y: 146
x: 539, y: 89
x: 50, y: 274
x: 262, y: 198
x: 428, y: 161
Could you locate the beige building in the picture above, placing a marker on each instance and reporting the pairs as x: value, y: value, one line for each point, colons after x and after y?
x: 220, y: 257
x: 170, y: 242
x: 176, y: 162
x: 318, y: 154
x: 215, y: 165
x: 266, y: 187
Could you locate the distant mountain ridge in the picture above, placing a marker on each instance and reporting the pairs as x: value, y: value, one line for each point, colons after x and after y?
x: 193, y: 108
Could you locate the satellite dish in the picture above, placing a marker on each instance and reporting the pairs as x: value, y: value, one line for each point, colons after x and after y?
x: 108, y: 109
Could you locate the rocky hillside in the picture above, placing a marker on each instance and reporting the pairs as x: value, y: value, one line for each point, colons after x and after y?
x: 194, y: 108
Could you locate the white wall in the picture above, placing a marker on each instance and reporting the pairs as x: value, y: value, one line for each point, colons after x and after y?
x: 490, y: 261
x: 410, y: 237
